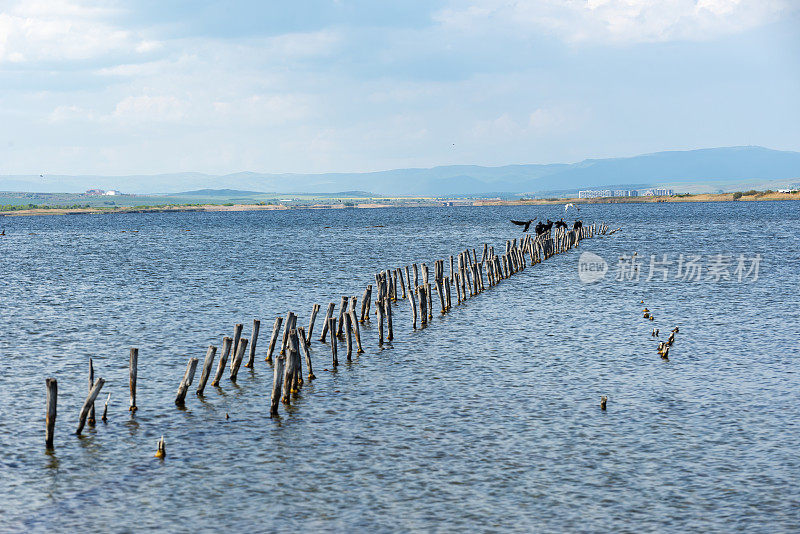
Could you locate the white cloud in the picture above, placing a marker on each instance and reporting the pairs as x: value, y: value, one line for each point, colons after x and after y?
x: 618, y: 21
x: 146, y: 108
x: 64, y: 30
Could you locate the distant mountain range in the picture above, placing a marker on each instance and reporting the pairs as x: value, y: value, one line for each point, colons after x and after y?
x: 711, y: 168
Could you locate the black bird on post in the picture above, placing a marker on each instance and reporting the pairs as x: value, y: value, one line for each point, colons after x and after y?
x: 526, y: 224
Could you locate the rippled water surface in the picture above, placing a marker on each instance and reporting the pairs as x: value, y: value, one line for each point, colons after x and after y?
x: 488, y: 419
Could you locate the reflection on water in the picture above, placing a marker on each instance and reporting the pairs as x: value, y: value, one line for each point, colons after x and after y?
x: 489, y: 417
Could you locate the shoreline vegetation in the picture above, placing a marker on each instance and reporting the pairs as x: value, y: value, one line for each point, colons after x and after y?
x: 387, y: 202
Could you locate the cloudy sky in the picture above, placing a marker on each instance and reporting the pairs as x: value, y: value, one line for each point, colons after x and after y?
x: 313, y: 86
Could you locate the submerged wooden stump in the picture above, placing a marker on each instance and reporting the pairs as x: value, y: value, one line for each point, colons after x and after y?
x: 133, y: 371
x: 50, y: 413
x: 188, y: 376
x: 253, y: 340
x: 93, y: 393
x: 226, y: 350
x: 276, y: 330
x: 207, y: 364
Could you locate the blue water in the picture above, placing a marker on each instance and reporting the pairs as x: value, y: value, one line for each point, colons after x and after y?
x: 488, y: 419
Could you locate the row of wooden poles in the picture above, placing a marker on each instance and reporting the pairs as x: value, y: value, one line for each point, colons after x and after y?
x: 466, y: 275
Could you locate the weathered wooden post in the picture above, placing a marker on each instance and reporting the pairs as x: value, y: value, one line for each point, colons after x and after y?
x: 388, y: 306
x: 354, y: 323
x: 289, y: 374
x: 294, y: 344
x: 50, y: 414
x: 332, y: 326
x: 288, y: 324
x: 327, y: 323
x: 412, y: 300
x: 188, y: 376
x: 104, y: 418
x: 237, y: 334
x: 277, y: 382
x: 207, y: 364
x: 226, y: 350
x: 423, y: 305
x: 402, y: 285
x: 276, y: 330
x: 340, y: 322
x: 440, y: 292
x: 93, y: 393
x: 314, y: 313
x: 366, y: 304
x: 304, y: 345
x: 252, y: 356
x: 91, y: 420
x: 447, y: 302
x: 416, y: 276
x: 134, y: 364
x: 161, y: 451
x: 379, y: 308
x: 349, y: 335
x: 237, y: 359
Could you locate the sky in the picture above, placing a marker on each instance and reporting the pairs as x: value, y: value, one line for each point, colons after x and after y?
x: 164, y: 86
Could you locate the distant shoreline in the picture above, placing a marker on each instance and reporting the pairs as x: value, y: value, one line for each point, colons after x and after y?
x: 704, y: 197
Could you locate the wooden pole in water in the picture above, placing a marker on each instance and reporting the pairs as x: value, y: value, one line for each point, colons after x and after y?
x: 423, y: 306
x: 349, y: 335
x: 440, y: 292
x: 134, y: 364
x: 451, y: 269
x: 380, y: 310
x: 340, y: 322
x: 413, y: 301
x: 276, y: 330
x: 288, y: 324
x: 91, y: 420
x: 188, y: 376
x: 416, y: 276
x: 50, y: 414
x: 314, y: 313
x: 390, y: 332
x: 104, y: 418
x: 327, y: 323
x: 402, y: 285
x: 277, y: 382
x: 332, y: 326
x: 447, y: 302
x: 237, y: 359
x: 226, y: 350
x: 237, y: 334
x: 288, y: 375
x: 251, y: 358
x: 207, y: 364
x: 354, y: 323
x: 93, y: 393
x: 367, y: 304
x: 429, y: 300
x: 294, y: 345
x: 304, y: 345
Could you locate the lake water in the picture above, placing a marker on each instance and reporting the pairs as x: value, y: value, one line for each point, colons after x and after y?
x: 488, y: 419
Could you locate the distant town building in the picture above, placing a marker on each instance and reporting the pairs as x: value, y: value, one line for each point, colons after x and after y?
x: 626, y: 193
x: 657, y: 192
x: 596, y: 193
x: 112, y: 193
x: 95, y: 192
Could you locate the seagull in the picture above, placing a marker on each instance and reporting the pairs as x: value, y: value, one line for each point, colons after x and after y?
x: 526, y: 224
x: 571, y: 205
